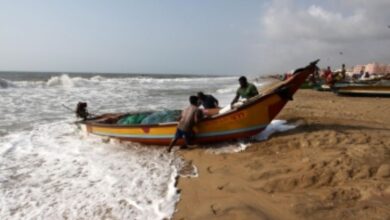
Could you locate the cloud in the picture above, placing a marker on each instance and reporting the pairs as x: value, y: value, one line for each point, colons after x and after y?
x: 298, y: 32
x: 286, y: 23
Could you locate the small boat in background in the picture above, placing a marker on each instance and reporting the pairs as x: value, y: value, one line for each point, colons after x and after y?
x: 322, y: 87
x: 376, y: 88
x: 244, y: 121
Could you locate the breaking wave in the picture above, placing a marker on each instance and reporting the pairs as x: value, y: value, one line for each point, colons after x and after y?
x: 227, y: 90
x: 180, y: 80
x: 69, y: 82
x: 5, y: 84
x: 66, y: 81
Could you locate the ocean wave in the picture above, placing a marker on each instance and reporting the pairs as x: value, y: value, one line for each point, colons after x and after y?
x: 64, y: 81
x: 180, y: 79
x: 69, y: 82
x: 5, y: 84
x: 98, y: 78
x: 227, y: 90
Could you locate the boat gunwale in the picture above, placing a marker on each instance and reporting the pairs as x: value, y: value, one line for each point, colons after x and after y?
x: 359, y: 85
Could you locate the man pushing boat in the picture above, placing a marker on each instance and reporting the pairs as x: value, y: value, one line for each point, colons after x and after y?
x: 189, y: 117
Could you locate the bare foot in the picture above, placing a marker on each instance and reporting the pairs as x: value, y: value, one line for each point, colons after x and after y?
x: 183, y: 147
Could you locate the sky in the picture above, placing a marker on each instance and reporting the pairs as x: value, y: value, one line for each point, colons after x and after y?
x: 191, y: 36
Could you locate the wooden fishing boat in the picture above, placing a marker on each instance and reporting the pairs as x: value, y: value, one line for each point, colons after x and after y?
x: 380, y: 88
x: 244, y: 121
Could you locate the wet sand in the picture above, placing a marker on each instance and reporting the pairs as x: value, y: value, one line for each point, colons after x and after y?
x: 334, y: 165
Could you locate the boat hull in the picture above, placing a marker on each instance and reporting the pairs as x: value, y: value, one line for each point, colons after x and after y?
x: 362, y: 90
x: 239, y: 124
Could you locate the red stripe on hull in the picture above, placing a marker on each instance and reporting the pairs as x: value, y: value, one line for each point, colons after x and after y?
x: 203, y: 140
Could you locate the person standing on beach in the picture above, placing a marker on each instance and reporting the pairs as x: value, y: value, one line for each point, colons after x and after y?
x: 189, y: 117
x: 246, y: 90
x: 328, y: 75
x: 327, y: 72
x: 343, y: 72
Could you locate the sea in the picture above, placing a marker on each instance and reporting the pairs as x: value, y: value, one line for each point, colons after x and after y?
x: 49, y: 169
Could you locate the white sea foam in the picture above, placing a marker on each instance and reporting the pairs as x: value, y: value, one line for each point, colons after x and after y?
x: 98, y: 78
x: 54, y: 173
x: 69, y: 82
x: 228, y: 147
x: 230, y: 89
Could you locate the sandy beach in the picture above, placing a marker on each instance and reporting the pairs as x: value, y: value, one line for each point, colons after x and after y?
x: 334, y: 165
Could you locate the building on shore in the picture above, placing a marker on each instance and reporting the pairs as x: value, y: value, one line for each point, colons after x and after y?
x: 372, y: 68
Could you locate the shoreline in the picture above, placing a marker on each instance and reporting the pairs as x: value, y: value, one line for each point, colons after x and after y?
x: 335, y: 164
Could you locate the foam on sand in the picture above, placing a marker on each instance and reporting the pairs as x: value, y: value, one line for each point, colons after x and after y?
x: 274, y: 127
x: 233, y: 147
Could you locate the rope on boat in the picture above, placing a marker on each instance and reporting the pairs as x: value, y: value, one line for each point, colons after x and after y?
x: 67, y: 108
x: 81, y: 110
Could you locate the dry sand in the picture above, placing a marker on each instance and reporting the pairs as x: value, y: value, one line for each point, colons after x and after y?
x: 334, y: 165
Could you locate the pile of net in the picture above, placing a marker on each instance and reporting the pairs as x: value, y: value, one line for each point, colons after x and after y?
x: 146, y: 118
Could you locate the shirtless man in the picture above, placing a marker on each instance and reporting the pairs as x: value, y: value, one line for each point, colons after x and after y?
x: 189, y: 117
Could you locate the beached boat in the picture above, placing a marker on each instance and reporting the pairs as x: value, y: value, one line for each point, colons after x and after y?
x: 322, y: 87
x: 379, y: 88
x: 244, y: 121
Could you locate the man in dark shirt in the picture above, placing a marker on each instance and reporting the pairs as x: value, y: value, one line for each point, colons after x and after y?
x: 208, y: 101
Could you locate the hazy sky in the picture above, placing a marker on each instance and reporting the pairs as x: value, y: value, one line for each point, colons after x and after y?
x: 184, y: 36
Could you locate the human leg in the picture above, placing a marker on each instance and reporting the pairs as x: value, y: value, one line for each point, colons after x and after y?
x: 173, y: 142
x: 178, y: 134
x: 187, y: 139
